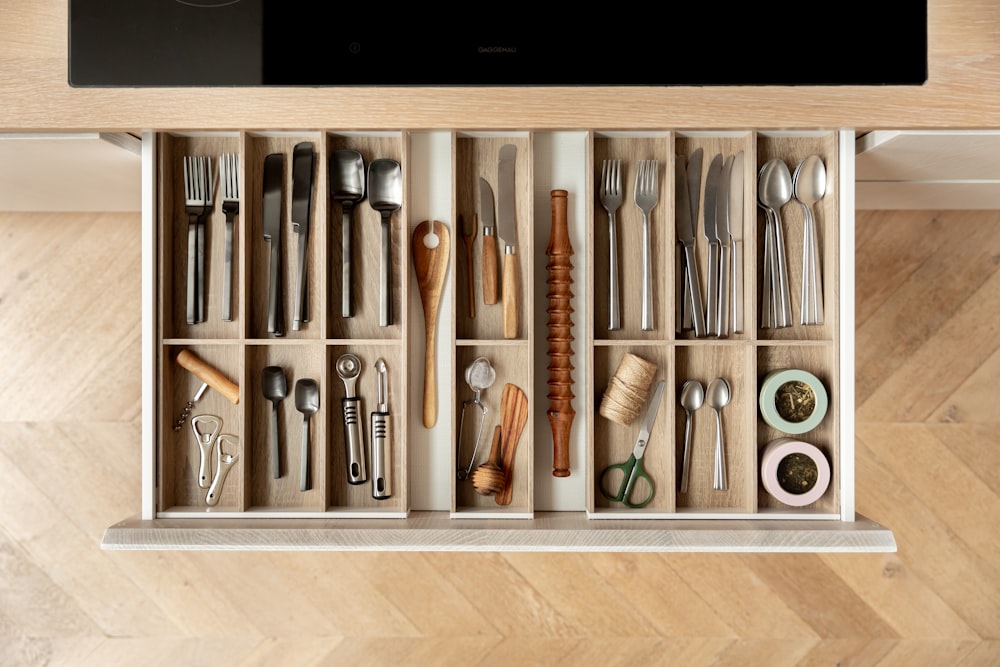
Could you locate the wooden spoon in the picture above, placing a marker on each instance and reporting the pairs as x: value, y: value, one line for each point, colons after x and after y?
x: 513, y: 416
x: 430, y: 263
x: 488, y: 478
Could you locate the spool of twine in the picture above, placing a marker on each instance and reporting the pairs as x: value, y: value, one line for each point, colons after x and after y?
x: 628, y: 389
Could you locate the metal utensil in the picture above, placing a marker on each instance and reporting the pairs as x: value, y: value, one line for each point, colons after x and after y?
x: 685, y: 300
x: 491, y: 272
x: 197, y: 204
x: 685, y: 226
x: 611, y: 200
x: 507, y: 231
x: 306, y: 402
x: 380, y: 435
x: 226, y: 454
x: 385, y: 194
x: 692, y: 397
x: 206, y: 429
x: 647, y: 185
x: 710, y: 217
x: 725, y: 247
x: 229, y: 175
x: 632, y: 471
x: 809, y: 186
x: 349, y: 368
x: 774, y: 190
x: 479, y: 375
x: 717, y: 396
x: 736, y: 236
x: 347, y: 187
x: 275, y: 388
x: 303, y: 163
x: 274, y: 170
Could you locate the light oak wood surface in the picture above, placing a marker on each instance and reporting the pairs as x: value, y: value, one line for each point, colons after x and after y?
x: 927, y: 453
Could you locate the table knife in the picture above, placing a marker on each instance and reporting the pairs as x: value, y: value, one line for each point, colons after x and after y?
x: 685, y: 234
x: 491, y: 273
x: 274, y: 174
x: 725, y: 247
x: 303, y: 161
x: 694, y: 197
x: 736, y: 235
x: 711, y: 230
x: 507, y: 231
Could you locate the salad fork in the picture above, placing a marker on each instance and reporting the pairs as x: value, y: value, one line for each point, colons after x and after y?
x: 646, y: 194
x: 229, y: 166
x: 611, y: 200
x: 197, y: 204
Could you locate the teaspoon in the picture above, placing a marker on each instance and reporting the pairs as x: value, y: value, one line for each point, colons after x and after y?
x: 809, y: 185
x: 718, y: 398
x: 692, y: 398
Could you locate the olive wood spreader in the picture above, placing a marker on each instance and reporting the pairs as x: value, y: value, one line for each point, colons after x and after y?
x: 513, y: 416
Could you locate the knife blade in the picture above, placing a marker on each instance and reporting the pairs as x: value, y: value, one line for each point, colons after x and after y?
x: 694, y: 196
x: 507, y: 231
x: 725, y: 247
x: 491, y: 273
x: 685, y: 235
x: 710, y: 216
x: 274, y: 170
x: 736, y: 234
x: 303, y: 161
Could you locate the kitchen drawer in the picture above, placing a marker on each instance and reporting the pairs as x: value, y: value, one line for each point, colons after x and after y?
x: 430, y: 507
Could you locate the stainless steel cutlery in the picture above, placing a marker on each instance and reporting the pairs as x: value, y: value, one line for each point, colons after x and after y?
x: 274, y: 174
x: 229, y: 171
x: 198, y: 199
x: 303, y: 161
x: 611, y: 200
x: 385, y: 195
x: 347, y: 186
x: 685, y: 220
x: 647, y: 184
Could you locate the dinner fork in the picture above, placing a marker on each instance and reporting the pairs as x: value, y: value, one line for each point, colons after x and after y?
x: 611, y: 200
x: 197, y: 204
x: 229, y: 166
x: 646, y: 193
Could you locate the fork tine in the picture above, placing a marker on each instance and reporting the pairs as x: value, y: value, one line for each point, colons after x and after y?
x: 616, y: 167
x: 604, y: 177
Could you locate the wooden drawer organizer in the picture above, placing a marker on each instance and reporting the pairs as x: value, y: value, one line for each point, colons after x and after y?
x: 430, y: 508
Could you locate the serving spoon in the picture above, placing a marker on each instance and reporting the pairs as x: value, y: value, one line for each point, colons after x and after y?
x: 809, y: 186
x: 275, y: 388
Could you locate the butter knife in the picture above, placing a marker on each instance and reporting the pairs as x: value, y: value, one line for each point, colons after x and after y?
x: 736, y: 235
x: 507, y: 231
x: 303, y: 161
x: 711, y: 229
x: 274, y: 169
x: 685, y: 234
x: 491, y: 285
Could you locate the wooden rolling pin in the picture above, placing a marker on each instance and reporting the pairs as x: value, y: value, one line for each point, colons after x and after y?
x: 560, y: 338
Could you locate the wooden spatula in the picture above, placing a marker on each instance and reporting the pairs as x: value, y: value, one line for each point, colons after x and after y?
x: 430, y: 263
x: 513, y: 416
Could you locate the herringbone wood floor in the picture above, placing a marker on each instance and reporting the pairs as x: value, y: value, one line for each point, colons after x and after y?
x: 928, y: 454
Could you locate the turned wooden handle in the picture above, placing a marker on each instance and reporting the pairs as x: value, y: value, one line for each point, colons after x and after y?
x: 510, y: 295
x: 491, y: 272
x: 210, y: 375
x: 560, y: 338
x: 513, y: 416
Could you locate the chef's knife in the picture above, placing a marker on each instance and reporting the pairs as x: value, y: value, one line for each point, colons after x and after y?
x: 710, y: 216
x: 274, y: 170
x: 303, y: 160
x: 491, y: 273
x: 507, y: 231
x: 685, y: 234
x: 725, y: 247
x: 736, y: 233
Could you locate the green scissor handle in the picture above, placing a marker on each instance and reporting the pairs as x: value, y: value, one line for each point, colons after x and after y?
x: 632, y: 471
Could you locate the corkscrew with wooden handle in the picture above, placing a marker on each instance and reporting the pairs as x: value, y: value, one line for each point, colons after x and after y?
x: 210, y: 377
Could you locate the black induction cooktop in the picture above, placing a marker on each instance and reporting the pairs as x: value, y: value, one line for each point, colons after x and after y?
x: 143, y: 43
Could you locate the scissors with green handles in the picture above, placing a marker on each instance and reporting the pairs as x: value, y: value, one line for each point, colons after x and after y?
x: 635, y: 488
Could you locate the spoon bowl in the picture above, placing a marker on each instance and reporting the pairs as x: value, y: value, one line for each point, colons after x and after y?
x: 347, y: 186
x: 275, y: 388
x: 306, y: 402
x: 692, y: 398
x: 718, y: 396
x: 774, y: 190
x: 809, y: 187
x: 385, y: 195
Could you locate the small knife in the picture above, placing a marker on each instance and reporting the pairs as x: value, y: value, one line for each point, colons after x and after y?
x: 685, y: 234
x: 303, y: 161
x: 736, y: 234
x: 725, y: 247
x: 694, y: 196
x: 507, y: 231
x: 274, y: 170
x: 712, y: 234
x: 491, y: 273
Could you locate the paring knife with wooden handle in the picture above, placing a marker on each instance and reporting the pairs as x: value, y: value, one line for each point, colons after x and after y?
x: 507, y: 231
x: 491, y: 273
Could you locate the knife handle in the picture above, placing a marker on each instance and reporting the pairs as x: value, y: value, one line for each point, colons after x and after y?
x: 301, y: 295
x: 491, y: 273
x: 274, y: 308
x: 697, y: 312
x: 192, y: 271
x: 725, y: 293
x: 712, y: 305
x: 736, y: 298
x: 510, y: 294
